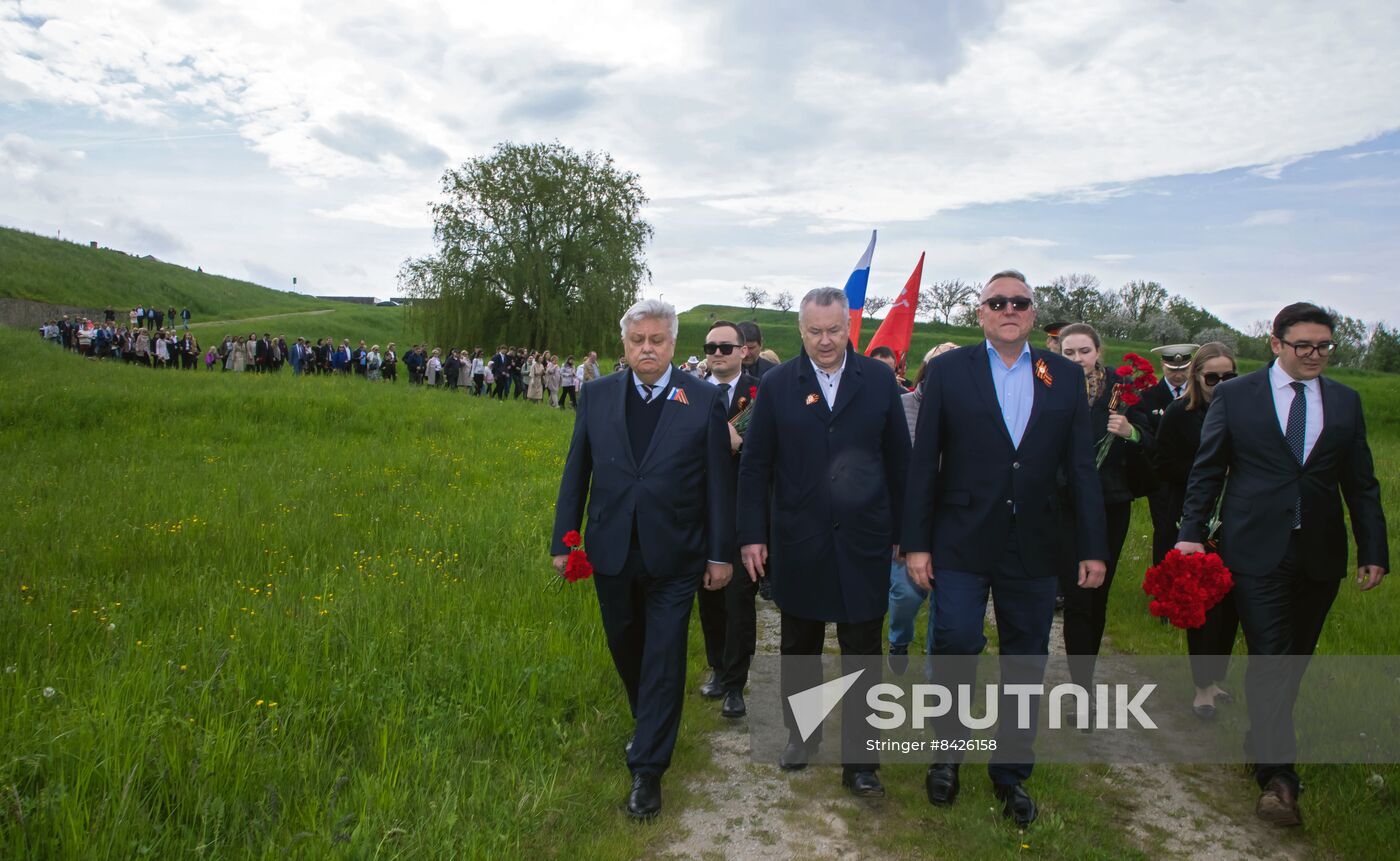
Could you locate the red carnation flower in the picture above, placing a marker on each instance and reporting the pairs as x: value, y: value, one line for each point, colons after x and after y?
x: 1130, y: 398
x: 753, y: 392
x: 578, y: 567
x: 1183, y: 588
x: 1123, y: 371
x: 572, y: 538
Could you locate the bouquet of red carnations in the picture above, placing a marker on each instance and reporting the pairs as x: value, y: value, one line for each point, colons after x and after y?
x: 745, y: 415
x: 578, y: 567
x: 1184, y: 587
x: 1134, y: 377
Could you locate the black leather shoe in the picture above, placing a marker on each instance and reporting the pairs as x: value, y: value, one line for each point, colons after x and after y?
x: 734, y: 706
x: 712, y: 690
x: 863, y: 784
x: 1017, y: 805
x: 793, y: 757
x: 899, y: 659
x: 645, y: 800
x: 942, y: 784
x: 1278, y: 803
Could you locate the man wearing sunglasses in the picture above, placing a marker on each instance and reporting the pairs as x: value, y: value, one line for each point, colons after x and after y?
x: 1293, y: 446
x: 727, y: 616
x: 986, y: 513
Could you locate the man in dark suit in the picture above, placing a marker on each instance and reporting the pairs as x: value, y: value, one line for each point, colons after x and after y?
x: 727, y: 617
x: 754, y: 364
x: 650, y: 454
x: 821, y: 482
x: 1003, y: 494
x: 1176, y: 364
x: 1288, y: 441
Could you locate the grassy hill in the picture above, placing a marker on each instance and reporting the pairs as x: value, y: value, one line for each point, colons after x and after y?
x: 41, y: 269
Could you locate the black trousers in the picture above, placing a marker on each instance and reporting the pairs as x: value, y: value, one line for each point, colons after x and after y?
x: 646, y: 617
x: 728, y: 621
x: 1282, y: 614
x: 566, y: 393
x: 1086, y: 609
x: 1210, y: 645
x: 805, y: 637
x: 1164, y: 525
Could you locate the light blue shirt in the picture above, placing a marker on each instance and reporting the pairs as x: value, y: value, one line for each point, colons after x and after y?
x: 657, y: 390
x: 1014, y: 390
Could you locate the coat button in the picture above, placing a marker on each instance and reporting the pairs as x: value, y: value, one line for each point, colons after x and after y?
x: 1010, y: 502
x: 836, y: 525
x: 1016, y: 465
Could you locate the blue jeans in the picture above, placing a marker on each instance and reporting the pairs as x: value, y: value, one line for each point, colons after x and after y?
x: 905, y: 600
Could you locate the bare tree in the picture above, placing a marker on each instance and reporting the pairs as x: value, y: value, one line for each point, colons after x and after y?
x: 945, y: 297
x: 876, y: 304
x: 783, y: 301
x: 1141, y: 299
x: 754, y: 296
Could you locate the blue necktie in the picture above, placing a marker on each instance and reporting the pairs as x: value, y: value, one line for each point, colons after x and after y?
x: 1297, y: 429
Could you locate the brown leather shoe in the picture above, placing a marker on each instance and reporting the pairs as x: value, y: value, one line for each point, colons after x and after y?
x: 1278, y: 803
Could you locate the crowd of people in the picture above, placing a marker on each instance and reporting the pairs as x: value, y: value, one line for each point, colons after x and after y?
x: 1003, y: 474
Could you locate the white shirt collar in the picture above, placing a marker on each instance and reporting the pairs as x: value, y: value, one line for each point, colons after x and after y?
x: 661, y: 384
x: 1279, y: 379
x: 835, y: 373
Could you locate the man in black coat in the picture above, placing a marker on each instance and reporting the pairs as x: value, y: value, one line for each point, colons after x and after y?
x: 1293, y: 446
x: 1176, y: 364
x: 821, y: 482
x: 650, y: 454
x: 1003, y: 495
x: 727, y: 618
x: 754, y: 364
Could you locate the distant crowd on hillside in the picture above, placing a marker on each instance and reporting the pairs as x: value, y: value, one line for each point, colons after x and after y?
x: 511, y: 372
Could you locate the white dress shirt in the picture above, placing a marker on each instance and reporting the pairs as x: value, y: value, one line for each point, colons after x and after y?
x: 728, y: 393
x: 1280, y: 383
x: 830, y: 382
x: 657, y: 390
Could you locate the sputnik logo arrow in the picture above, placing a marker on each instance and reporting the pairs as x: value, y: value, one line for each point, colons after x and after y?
x: 810, y: 707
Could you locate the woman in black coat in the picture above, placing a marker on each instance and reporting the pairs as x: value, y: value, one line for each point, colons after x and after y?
x: 1178, y: 437
x: 1124, y: 474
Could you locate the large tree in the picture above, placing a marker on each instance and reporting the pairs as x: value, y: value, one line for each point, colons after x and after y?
x: 537, y: 245
x: 943, y: 298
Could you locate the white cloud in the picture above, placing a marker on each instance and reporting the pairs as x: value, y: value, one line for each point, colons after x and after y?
x: 1027, y: 242
x: 1113, y: 258
x: 388, y: 210
x: 1269, y: 218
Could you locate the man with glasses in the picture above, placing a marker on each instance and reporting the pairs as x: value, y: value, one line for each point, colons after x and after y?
x: 727, y: 616
x: 1293, y: 445
x: 1001, y: 427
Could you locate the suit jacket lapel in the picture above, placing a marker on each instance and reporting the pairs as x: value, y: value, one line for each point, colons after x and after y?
x: 981, y: 373
x: 807, y: 382
x: 625, y: 382
x: 668, y: 415
x: 1269, y: 413
x: 1325, y: 390
x: 1039, y: 392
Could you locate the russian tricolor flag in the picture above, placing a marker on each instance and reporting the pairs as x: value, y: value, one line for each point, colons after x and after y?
x: 855, y: 290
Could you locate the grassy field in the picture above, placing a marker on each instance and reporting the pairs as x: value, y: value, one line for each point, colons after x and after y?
x: 260, y: 616
x: 49, y: 270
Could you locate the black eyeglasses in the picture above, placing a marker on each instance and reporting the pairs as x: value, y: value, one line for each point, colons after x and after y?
x: 999, y: 303
x: 1211, y: 378
x: 712, y: 348
x: 1303, y: 349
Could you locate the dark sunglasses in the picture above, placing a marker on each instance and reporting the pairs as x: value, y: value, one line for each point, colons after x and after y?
x: 999, y: 303
x: 1211, y: 378
x: 712, y: 348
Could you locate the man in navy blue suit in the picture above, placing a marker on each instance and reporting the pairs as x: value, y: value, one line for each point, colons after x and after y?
x: 821, y: 483
x: 1285, y: 447
x: 1003, y: 493
x: 651, y: 456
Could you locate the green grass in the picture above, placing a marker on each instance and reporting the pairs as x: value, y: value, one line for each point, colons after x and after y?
x: 184, y: 550
x: 49, y: 270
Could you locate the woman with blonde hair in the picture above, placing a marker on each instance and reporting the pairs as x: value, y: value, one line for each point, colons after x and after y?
x: 1178, y: 437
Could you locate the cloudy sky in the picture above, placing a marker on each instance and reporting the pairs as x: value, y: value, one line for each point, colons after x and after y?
x: 1244, y: 154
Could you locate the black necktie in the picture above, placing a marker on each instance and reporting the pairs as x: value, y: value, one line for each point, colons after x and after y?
x: 648, y: 387
x: 724, y: 388
x: 1176, y: 392
x: 1294, y: 434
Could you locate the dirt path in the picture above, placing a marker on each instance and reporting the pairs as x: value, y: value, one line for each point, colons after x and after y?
x: 264, y: 317
x: 756, y: 810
